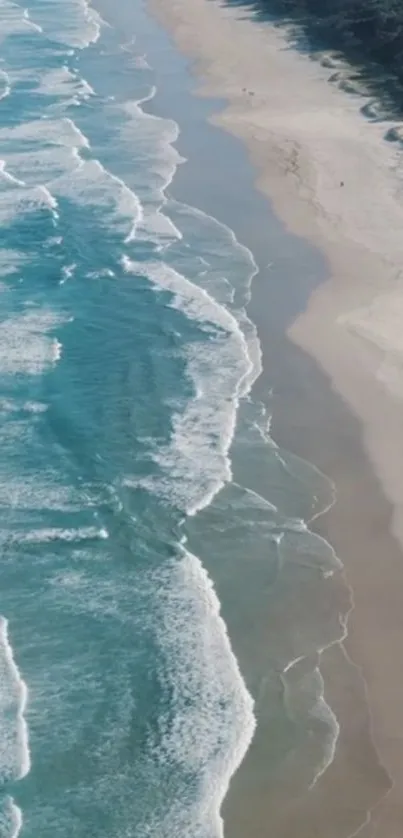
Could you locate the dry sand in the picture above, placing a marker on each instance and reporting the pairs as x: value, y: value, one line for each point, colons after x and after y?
x: 334, y: 179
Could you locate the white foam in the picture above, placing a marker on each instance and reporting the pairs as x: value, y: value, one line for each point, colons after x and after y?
x: 94, y: 186
x: 38, y: 153
x: 228, y: 271
x: 25, y: 343
x: 102, y: 274
x: 5, y: 78
x: 8, y: 406
x: 7, y: 176
x: 311, y: 550
x: 324, y: 712
x: 212, y: 721
x: 58, y: 132
x: 44, y: 155
x: 130, y: 46
x: 305, y: 703
x: 16, y: 819
x: 57, y: 349
x: 39, y: 166
x: 196, y: 464
x: 188, y: 297
x: 31, y: 492
x: 292, y: 663
x: 65, y: 84
x: 230, y: 265
x: 10, y: 261
x: 30, y: 22
x: 74, y: 22
x: 15, y: 760
x: 35, y: 407
x: 49, y: 534
x: 49, y: 201
x: 10, y: 818
x: 16, y: 202
x: 67, y: 272
x: 150, y: 140
x: 141, y: 63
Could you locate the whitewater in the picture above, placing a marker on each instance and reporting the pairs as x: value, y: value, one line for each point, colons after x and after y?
x: 127, y: 362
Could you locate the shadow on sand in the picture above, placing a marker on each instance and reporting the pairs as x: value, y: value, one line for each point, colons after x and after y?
x: 326, y: 38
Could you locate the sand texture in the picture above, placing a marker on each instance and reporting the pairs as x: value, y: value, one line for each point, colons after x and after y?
x: 334, y: 178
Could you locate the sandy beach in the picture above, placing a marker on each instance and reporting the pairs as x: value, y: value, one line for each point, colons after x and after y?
x: 333, y: 179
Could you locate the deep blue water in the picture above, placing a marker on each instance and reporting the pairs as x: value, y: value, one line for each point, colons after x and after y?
x: 126, y: 362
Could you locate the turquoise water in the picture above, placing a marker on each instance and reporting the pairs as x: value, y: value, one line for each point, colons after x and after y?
x: 131, y: 453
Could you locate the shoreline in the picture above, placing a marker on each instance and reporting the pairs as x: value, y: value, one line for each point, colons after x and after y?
x: 343, y: 330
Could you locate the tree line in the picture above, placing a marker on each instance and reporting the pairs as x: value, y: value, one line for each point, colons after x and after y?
x: 364, y: 30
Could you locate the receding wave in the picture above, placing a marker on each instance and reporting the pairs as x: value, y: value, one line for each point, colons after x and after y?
x: 14, y: 755
x: 212, y: 722
x: 153, y: 139
x: 196, y: 463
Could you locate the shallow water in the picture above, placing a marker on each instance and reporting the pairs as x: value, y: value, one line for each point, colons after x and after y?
x: 145, y: 508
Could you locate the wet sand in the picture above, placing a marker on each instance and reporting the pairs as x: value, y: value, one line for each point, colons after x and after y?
x: 334, y: 180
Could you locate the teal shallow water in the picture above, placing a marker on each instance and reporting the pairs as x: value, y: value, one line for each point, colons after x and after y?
x: 131, y: 453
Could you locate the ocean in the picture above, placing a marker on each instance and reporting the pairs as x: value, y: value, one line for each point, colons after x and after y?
x: 162, y: 594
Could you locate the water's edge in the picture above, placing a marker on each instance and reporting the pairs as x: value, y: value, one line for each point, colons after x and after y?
x: 274, y: 309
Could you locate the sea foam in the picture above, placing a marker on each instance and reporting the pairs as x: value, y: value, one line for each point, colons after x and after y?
x: 26, y: 345
x: 154, y: 146
x: 14, y: 748
x: 196, y: 463
x: 76, y: 24
x: 212, y: 720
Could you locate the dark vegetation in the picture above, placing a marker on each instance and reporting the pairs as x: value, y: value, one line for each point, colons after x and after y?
x: 369, y: 33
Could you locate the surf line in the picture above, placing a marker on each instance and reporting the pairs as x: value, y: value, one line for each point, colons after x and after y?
x: 23, y: 739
